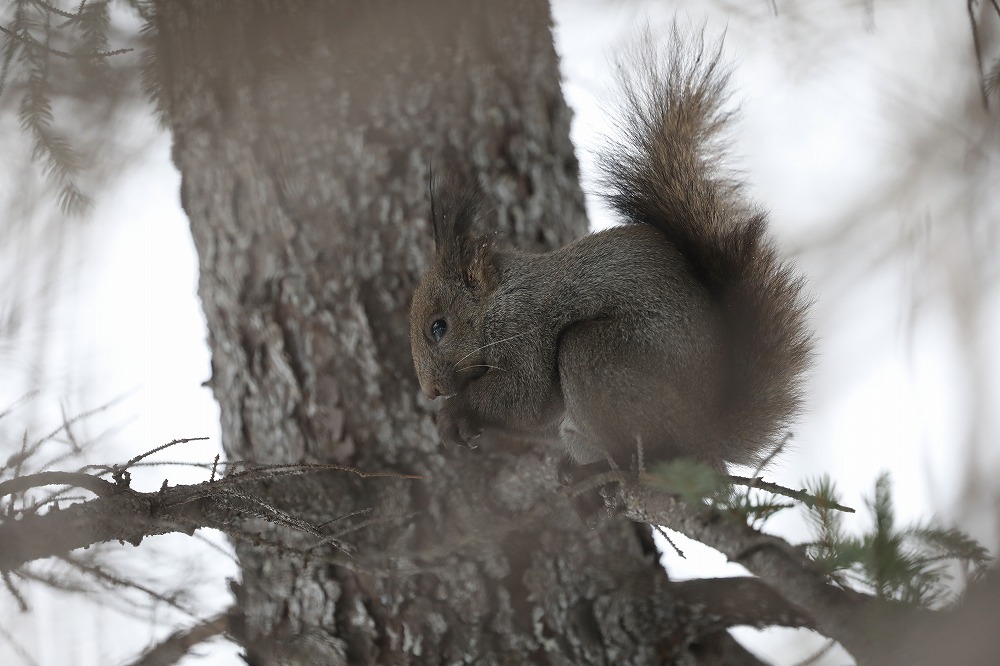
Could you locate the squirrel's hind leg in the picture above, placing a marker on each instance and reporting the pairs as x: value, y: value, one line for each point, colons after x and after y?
x: 621, y: 395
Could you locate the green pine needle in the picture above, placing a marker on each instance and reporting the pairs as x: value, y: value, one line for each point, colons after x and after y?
x: 691, y: 480
x: 912, y: 565
x: 34, y: 37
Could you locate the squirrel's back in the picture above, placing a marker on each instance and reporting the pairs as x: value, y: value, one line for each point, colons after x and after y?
x: 665, y: 170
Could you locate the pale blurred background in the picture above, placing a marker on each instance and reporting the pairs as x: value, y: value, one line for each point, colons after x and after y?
x: 864, y: 133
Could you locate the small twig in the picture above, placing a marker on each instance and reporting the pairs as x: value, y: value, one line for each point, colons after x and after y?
x: 30, y: 395
x: 663, y: 533
x: 978, y: 49
x: 112, y: 580
x: 23, y: 653
x: 160, y: 448
x: 227, y: 553
x: 800, y: 495
x: 103, y: 469
x: 77, y: 449
x: 22, y: 604
x: 346, y: 516
x: 83, y: 415
x: 272, y: 471
x: 58, y: 11
x: 378, y: 520
x: 55, y: 498
x: 34, y: 43
x: 59, y: 582
x: 171, y: 649
x: 21, y: 456
x: 273, y: 514
x: 594, y: 482
x: 73, y: 582
x: 818, y: 654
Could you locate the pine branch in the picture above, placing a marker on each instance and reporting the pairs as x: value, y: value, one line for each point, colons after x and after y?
x: 900, y: 564
x: 30, y: 42
x: 852, y: 618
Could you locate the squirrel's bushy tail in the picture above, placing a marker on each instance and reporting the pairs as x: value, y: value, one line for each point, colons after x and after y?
x: 665, y: 170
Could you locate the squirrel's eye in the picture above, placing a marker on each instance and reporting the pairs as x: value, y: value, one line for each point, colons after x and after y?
x: 438, y: 329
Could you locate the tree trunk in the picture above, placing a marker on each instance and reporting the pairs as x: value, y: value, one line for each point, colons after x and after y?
x: 303, y: 132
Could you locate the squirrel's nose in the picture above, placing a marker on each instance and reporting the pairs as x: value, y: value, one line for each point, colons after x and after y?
x: 428, y: 385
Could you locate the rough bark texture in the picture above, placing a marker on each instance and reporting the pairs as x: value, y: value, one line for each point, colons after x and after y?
x: 303, y: 132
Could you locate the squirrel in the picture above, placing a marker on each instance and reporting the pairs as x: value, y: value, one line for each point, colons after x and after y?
x: 681, y: 331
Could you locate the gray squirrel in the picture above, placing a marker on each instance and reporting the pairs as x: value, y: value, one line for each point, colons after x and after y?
x: 680, y: 332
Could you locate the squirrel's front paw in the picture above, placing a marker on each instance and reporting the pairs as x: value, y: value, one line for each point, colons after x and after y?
x: 456, y: 426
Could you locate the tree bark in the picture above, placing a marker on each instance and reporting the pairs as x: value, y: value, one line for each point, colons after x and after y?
x: 303, y: 132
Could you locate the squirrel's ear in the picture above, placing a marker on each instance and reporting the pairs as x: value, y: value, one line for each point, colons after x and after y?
x: 455, y: 205
x: 479, y: 268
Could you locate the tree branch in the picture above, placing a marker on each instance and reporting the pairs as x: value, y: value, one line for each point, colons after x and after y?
x: 852, y: 618
x: 729, y: 602
x: 122, y: 514
x: 799, y: 495
x: 94, y: 484
x: 170, y: 650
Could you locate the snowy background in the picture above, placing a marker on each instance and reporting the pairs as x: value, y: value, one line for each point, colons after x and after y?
x: 860, y: 132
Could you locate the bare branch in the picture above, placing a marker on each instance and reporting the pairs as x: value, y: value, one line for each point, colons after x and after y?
x: 22, y: 604
x: 800, y: 495
x: 114, y: 581
x: 170, y: 650
x: 818, y: 654
x: 25, y: 656
x: 122, y: 514
x: 729, y: 602
x: 19, y: 484
x: 978, y: 49
x: 27, y: 397
x: 160, y: 448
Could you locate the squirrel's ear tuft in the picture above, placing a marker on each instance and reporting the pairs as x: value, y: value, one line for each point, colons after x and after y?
x: 455, y: 204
